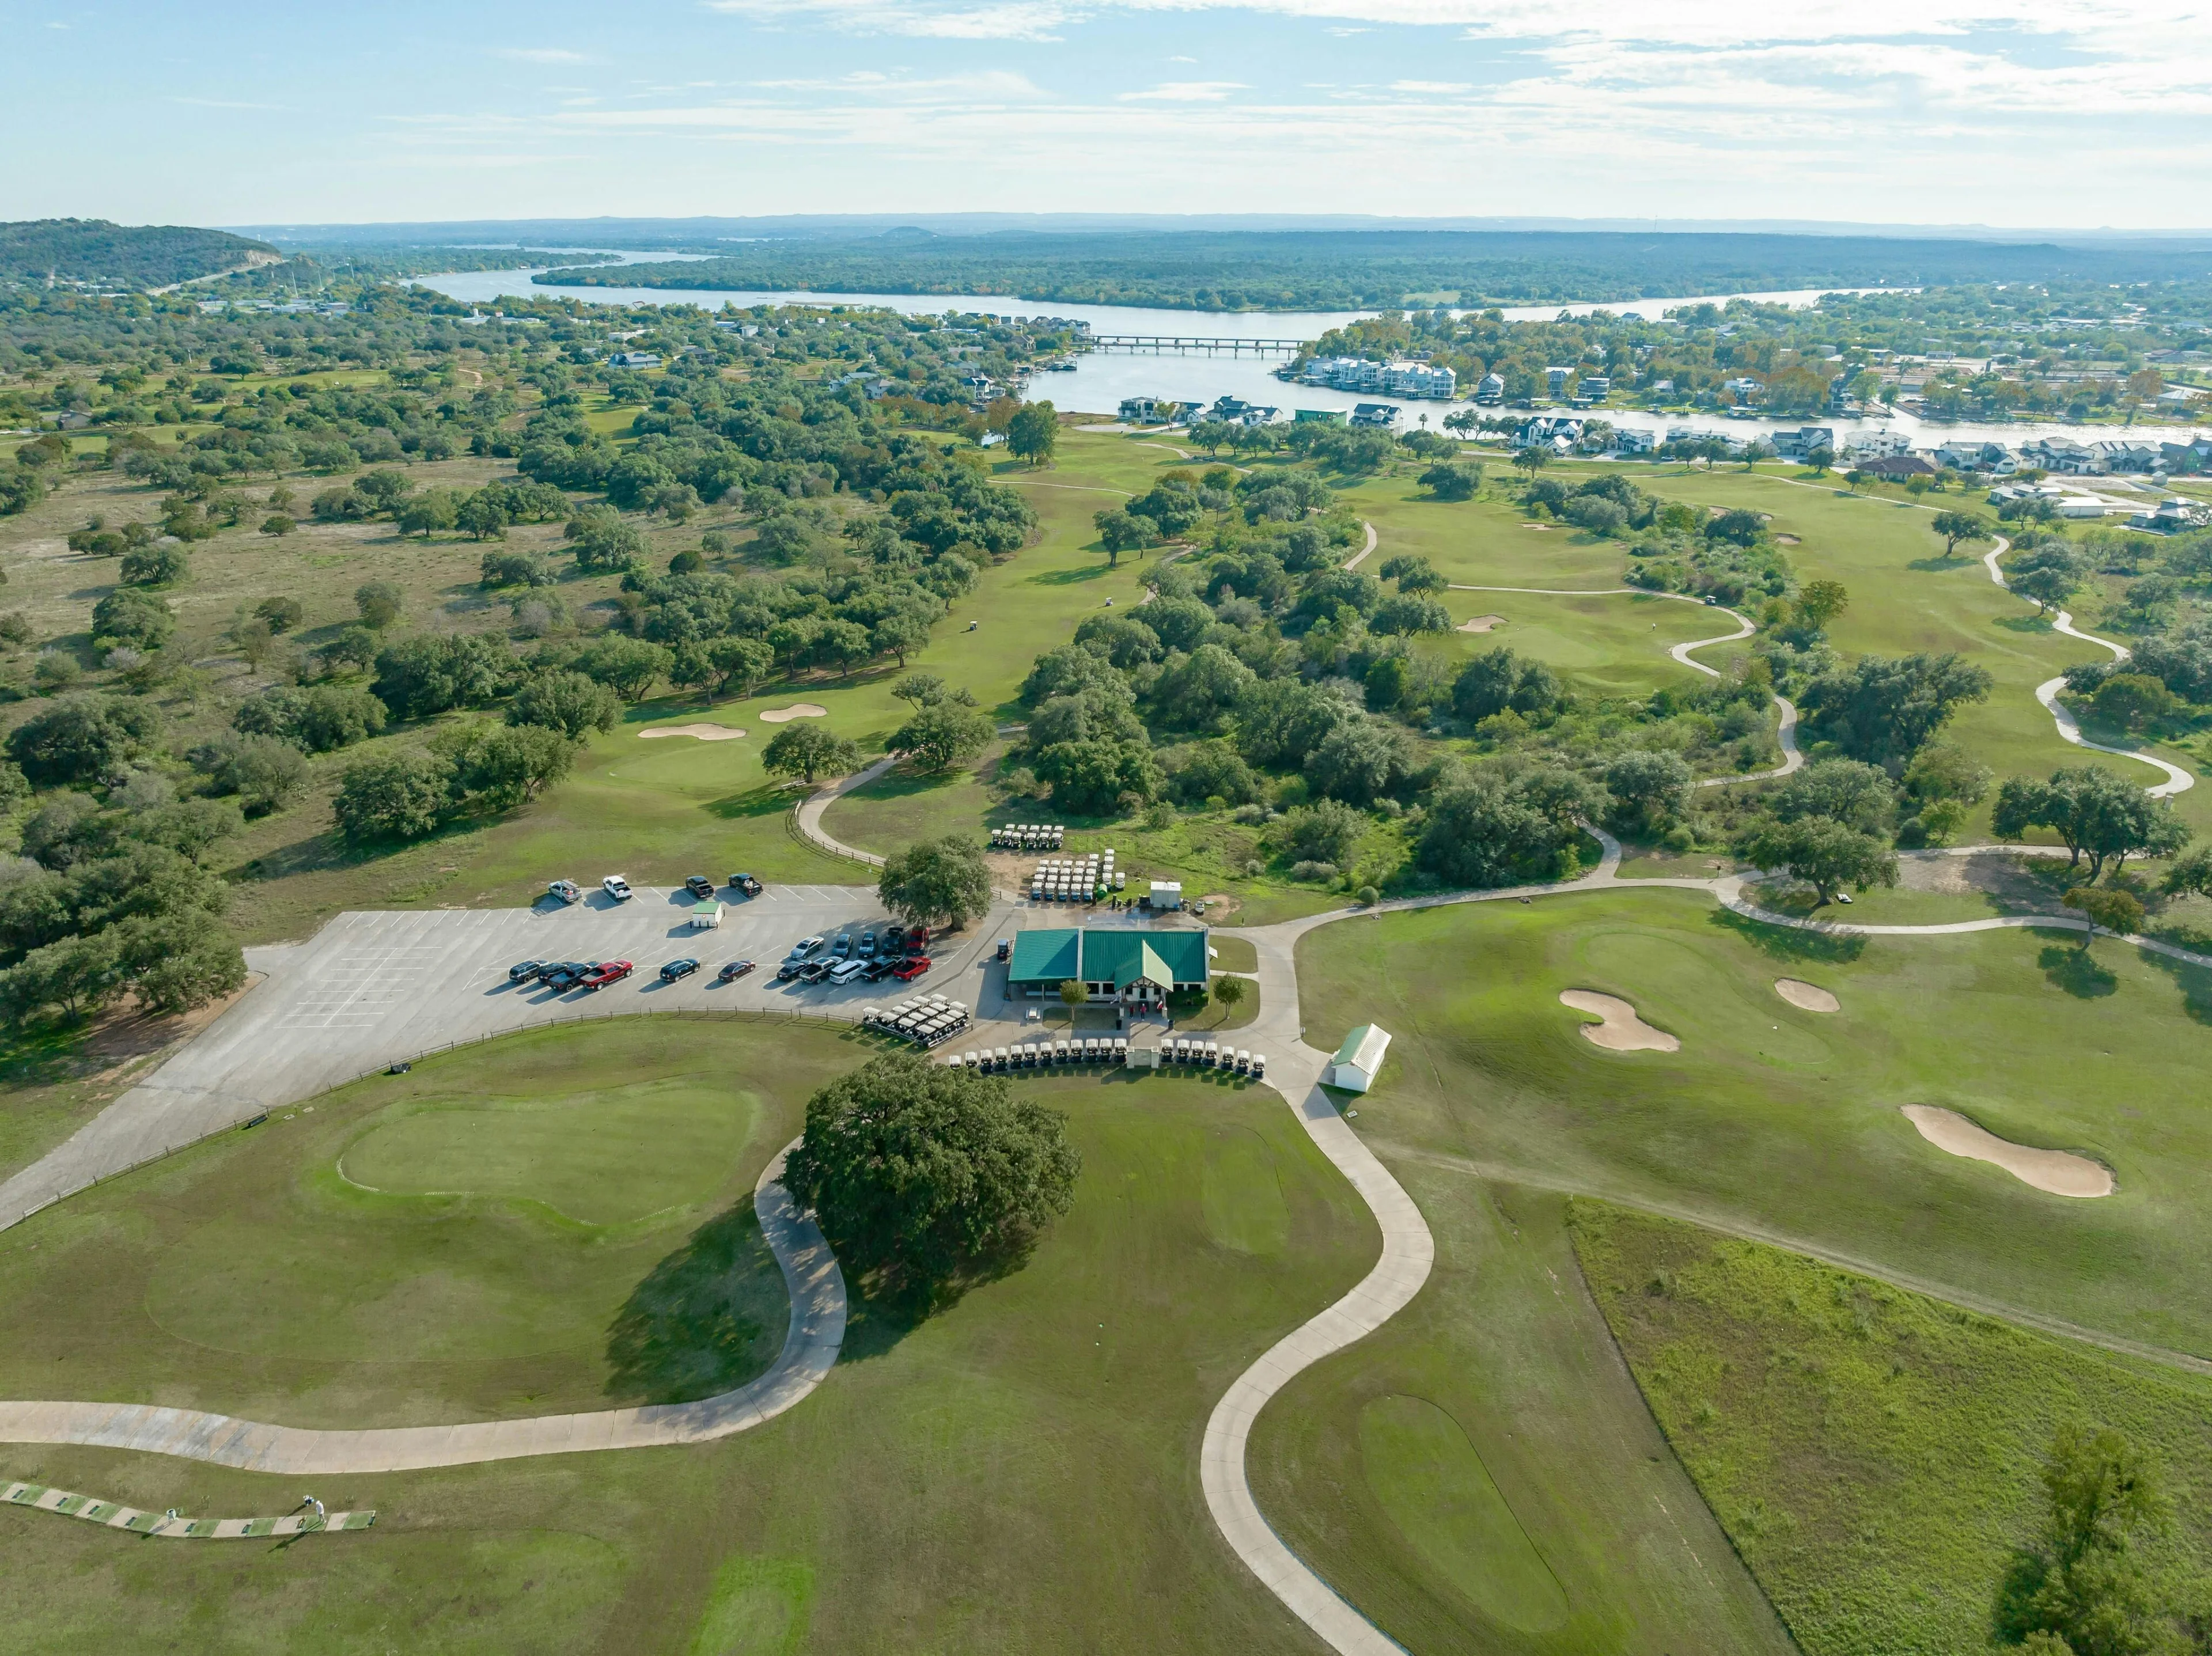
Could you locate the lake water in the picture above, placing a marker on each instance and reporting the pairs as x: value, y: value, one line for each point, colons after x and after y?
x: 1102, y: 379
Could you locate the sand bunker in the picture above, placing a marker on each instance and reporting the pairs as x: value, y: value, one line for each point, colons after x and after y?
x: 2054, y: 1172
x: 1539, y: 526
x: 1481, y: 623
x: 1807, y: 997
x: 704, y: 732
x: 796, y: 710
x: 1622, y: 1031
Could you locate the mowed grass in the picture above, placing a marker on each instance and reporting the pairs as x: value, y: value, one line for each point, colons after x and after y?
x: 1873, y: 1453
x: 490, y: 1235
x: 1789, y: 1121
x: 1906, y: 596
x: 1018, y: 1472
x: 1614, y: 644
x: 1479, y: 1475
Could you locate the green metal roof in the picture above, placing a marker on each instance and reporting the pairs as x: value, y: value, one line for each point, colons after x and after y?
x: 1121, y: 957
x: 1117, y: 956
x: 1051, y: 954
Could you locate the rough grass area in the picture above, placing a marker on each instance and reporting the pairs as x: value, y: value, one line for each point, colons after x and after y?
x: 1789, y: 1121
x: 1480, y: 1474
x: 556, y: 1220
x: 1872, y: 1454
x: 1017, y: 1473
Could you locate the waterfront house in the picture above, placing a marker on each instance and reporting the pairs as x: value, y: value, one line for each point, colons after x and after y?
x: 1491, y: 389
x: 1383, y: 415
x: 1896, y: 468
x: 1410, y: 379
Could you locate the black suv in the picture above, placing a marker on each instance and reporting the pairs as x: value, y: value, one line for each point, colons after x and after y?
x: 678, y: 969
x: 699, y: 886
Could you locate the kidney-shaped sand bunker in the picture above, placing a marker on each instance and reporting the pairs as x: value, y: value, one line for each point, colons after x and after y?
x: 2059, y: 1173
x: 1619, y: 1029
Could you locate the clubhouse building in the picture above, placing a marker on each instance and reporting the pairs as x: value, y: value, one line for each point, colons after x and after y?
x: 1138, y: 968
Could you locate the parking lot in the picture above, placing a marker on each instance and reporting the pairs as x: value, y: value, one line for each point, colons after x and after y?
x: 370, y: 988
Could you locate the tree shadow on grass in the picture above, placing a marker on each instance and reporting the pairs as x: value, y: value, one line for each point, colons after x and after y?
x: 902, y: 781
x: 1070, y: 577
x: 1787, y: 943
x: 2077, y: 972
x: 2195, y: 983
x: 1939, y: 565
x: 707, y: 1318
x: 2025, y: 624
x: 768, y: 800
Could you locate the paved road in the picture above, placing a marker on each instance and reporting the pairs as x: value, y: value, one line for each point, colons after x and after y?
x: 371, y: 988
x: 810, y: 1351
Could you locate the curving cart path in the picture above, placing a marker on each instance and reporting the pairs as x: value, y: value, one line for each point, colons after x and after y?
x: 808, y: 815
x: 810, y: 1351
x: 2177, y: 781
x: 1785, y: 730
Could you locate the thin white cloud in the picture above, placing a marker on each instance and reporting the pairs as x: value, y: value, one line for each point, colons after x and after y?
x: 1182, y: 60
x: 1440, y: 87
x: 1185, y: 92
x: 540, y: 55
x: 1008, y: 20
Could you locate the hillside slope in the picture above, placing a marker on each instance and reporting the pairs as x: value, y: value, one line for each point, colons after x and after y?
x: 137, y: 256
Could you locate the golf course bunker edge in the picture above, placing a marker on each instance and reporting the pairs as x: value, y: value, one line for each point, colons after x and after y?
x: 2056, y: 1173
x: 1807, y: 997
x: 1620, y: 1030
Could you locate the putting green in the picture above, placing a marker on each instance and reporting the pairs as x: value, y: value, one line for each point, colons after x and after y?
x: 597, y: 1158
x: 558, y: 1220
x: 1433, y: 1485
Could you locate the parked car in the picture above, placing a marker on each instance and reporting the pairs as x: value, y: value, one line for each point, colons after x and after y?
x: 746, y: 883
x: 805, y: 947
x: 566, y: 975
x: 567, y: 891
x: 1006, y: 948
x: 879, y: 969
x: 607, y: 972
x: 815, y: 970
x: 699, y: 886
x: 894, y: 939
x: 617, y: 887
x: 787, y: 972
x: 527, y: 972
x: 845, y: 971
x: 907, y: 971
x: 867, y: 942
x: 844, y: 946
x: 733, y: 971
x: 678, y: 969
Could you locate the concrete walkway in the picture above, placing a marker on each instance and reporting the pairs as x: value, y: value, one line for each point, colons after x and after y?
x: 809, y: 815
x: 1786, y: 727
x: 1360, y: 557
x: 2177, y: 781
x: 809, y: 1350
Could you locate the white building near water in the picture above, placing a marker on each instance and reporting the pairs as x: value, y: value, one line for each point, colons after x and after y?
x: 1359, y: 1060
x: 1420, y: 379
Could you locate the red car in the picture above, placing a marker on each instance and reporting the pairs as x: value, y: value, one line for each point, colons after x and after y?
x: 607, y: 972
x: 907, y: 971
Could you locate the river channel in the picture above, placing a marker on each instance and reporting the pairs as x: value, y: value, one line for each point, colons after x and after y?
x: 1102, y: 379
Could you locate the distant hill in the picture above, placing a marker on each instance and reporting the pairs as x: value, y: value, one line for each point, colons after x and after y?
x: 133, y: 256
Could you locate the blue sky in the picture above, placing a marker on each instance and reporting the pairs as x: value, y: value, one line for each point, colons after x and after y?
x: 2021, y: 113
